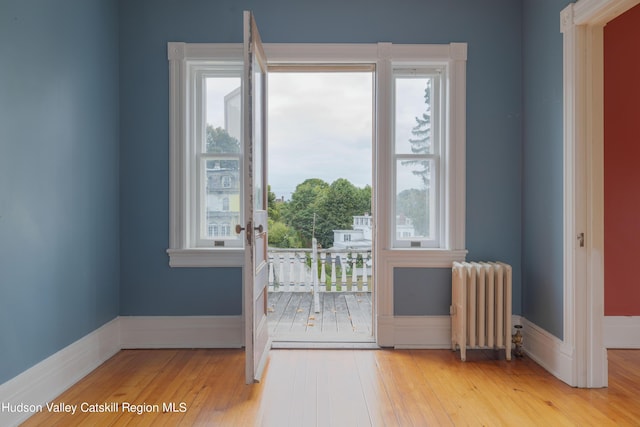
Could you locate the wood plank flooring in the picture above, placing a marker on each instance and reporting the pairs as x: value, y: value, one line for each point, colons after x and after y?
x: 342, y: 316
x: 346, y: 388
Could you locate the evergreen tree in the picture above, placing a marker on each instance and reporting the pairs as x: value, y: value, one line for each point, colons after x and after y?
x: 422, y: 143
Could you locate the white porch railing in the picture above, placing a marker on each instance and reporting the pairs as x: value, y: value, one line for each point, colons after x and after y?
x: 338, y: 270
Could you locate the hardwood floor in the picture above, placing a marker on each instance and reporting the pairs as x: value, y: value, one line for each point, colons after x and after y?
x: 345, y: 388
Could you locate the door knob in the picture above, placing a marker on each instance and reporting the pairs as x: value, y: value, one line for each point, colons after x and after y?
x: 240, y: 228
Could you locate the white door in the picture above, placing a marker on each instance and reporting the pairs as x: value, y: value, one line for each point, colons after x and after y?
x: 256, y: 276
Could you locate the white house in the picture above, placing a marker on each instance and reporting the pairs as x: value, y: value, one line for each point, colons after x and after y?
x: 359, y: 237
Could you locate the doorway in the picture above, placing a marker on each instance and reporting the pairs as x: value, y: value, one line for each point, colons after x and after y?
x: 320, y: 157
x: 582, y: 25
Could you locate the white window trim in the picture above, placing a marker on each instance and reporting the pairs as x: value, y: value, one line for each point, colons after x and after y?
x: 385, y: 56
x: 452, y: 247
x: 181, y: 252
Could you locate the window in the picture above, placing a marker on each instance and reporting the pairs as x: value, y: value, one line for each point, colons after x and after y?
x: 206, y: 155
x: 215, y: 151
x: 422, y: 222
x: 419, y: 177
x: 418, y: 144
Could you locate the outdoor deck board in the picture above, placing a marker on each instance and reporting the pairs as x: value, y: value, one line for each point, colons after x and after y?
x: 343, y: 316
x: 328, y: 310
x: 341, y: 313
x: 358, y: 319
x: 303, y: 312
x: 286, y: 318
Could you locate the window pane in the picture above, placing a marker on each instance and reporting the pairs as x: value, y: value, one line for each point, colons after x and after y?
x: 415, y: 200
x: 258, y: 184
x: 222, y: 110
x: 222, y: 198
x: 413, y: 107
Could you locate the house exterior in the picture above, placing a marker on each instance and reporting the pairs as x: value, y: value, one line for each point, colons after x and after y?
x: 222, y: 201
x: 359, y: 237
x: 84, y: 163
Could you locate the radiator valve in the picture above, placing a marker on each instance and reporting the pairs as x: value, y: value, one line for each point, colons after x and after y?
x: 517, y: 339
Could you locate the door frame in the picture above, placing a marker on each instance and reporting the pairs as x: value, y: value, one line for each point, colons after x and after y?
x: 582, y: 25
x: 312, y: 60
x: 309, y: 54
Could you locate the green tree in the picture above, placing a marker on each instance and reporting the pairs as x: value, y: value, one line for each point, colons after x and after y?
x: 364, y: 200
x: 412, y: 204
x: 336, y: 208
x: 283, y: 236
x: 422, y: 143
x: 299, y: 212
x: 219, y: 141
x: 273, y: 207
x: 333, y: 206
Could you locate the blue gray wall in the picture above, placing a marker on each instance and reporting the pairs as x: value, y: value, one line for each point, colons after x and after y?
x: 494, y: 128
x: 59, y: 217
x: 542, y: 220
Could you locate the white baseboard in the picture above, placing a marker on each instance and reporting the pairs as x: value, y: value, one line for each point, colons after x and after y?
x: 181, y: 332
x: 434, y: 332
x: 621, y: 331
x: 46, y: 380
x: 428, y: 332
x: 548, y: 351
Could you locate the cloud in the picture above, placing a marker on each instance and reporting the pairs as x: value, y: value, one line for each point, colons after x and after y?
x: 320, y: 126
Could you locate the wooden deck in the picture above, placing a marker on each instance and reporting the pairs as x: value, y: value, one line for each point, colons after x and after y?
x: 343, y: 316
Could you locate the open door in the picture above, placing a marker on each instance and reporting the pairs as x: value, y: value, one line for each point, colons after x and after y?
x: 256, y: 275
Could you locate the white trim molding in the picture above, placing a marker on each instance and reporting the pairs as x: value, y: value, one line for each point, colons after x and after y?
x: 387, y: 261
x: 622, y: 332
x: 582, y: 26
x: 46, y: 380
x: 422, y: 332
x: 181, y: 332
x: 453, y: 242
x: 202, y: 257
x: 428, y: 332
x: 548, y: 351
x: 186, y: 60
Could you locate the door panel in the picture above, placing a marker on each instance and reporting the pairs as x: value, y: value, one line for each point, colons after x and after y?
x: 255, y: 201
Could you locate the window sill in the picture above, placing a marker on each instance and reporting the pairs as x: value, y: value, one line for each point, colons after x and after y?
x: 420, y: 257
x: 206, y: 257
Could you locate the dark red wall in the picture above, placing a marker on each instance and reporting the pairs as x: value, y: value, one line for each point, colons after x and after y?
x: 622, y: 164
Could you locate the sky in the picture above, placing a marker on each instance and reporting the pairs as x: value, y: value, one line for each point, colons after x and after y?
x: 320, y: 125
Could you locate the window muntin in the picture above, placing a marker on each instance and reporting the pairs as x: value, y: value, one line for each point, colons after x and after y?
x: 418, y: 145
